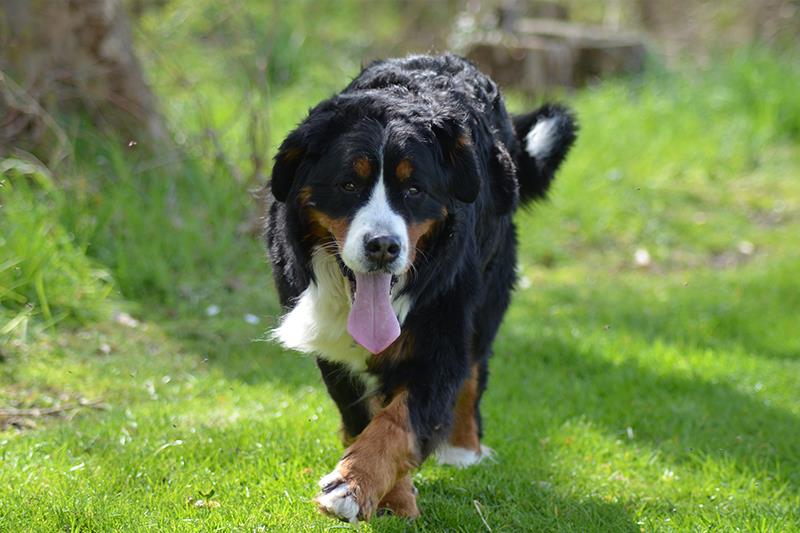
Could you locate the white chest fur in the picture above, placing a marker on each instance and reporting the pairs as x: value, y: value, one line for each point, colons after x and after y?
x: 318, y: 322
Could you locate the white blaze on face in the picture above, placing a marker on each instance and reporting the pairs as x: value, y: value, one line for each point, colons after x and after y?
x: 374, y: 219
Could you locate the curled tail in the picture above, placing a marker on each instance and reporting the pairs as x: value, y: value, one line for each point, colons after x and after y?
x: 545, y: 137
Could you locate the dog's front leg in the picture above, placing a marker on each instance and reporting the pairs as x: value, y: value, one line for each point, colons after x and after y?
x: 374, y: 471
x: 416, y: 418
x: 383, y: 454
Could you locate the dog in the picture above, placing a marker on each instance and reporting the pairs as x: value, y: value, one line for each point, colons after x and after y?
x: 393, y: 248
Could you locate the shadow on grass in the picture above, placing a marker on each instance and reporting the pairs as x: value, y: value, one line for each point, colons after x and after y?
x: 242, y: 351
x: 508, y: 501
x: 683, y: 418
x: 244, y: 354
x: 751, y: 310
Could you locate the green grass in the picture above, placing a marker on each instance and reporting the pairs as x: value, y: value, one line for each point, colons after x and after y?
x: 621, y: 397
x: 42, y: 267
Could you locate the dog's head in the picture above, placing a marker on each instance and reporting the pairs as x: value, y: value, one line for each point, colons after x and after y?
x: 370, y: 187
x: 373, y: 181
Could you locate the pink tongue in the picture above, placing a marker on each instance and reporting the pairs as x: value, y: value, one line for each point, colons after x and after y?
x: 372, y: 322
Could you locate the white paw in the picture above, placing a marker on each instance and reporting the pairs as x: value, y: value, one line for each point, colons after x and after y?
x: 462, y: 457
x: 336, y: 499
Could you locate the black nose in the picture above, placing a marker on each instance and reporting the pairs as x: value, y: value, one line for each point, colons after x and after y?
x: 383, y: 249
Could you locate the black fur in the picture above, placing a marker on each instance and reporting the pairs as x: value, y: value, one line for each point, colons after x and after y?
x: 540, y: 172
x: 470, y: 161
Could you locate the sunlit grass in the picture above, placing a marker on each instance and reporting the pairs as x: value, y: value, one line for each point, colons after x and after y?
x: 639, y: 424
x: 653, y: 397
x: 43, y: 269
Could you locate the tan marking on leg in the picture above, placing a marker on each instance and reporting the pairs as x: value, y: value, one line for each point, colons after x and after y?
x: 346, y: 438
x: 374, y: 405
x: 402, y: 499
x: 465, y: 427
x: 384, y: 453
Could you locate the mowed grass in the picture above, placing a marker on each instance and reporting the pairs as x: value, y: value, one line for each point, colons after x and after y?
x: 661, y: 396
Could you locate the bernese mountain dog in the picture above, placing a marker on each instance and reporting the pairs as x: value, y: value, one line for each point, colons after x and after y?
x: 391, y: 236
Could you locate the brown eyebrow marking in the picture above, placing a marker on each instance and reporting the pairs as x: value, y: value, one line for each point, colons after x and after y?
x: 363, y: 167
x: 404, y: 170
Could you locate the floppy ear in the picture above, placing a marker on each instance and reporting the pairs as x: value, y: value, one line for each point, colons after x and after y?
x: 302, y: 142
x: 459, y: 156
x: 287, y: 160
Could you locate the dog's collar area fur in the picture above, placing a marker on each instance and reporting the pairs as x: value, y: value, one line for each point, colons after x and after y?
x: 317, y: 324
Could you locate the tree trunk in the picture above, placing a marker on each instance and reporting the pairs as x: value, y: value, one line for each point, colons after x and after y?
x: 60, y: 56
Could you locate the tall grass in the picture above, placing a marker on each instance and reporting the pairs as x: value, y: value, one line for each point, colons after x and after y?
x: 44, y: 271
x: 164, y: 230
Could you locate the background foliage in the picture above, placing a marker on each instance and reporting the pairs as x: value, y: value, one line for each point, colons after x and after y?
x: 645, y: 378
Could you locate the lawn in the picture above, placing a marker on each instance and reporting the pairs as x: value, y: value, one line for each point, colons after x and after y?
x: 646, y: 377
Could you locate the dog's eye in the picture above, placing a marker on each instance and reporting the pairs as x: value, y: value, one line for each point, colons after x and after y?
x: 349, y: 186
x: 413, y: 191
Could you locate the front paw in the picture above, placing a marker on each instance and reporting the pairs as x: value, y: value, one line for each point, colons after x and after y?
x: 338, y: 497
